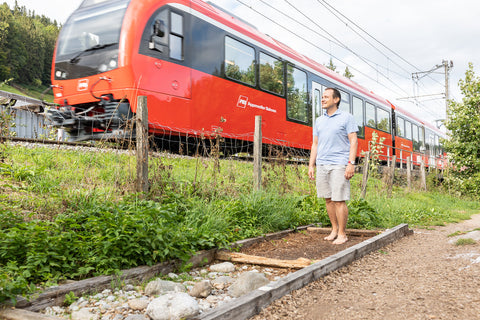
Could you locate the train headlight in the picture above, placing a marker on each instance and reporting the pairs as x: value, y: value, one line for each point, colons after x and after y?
x: 112, y: 64
x: 60, y: 74
x: 103, y: 67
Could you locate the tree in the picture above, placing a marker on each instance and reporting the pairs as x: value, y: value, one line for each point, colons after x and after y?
x: 27, y: 43
x: 463, y: 123
x: 347, y: 73
x: 5, y: 19
x: 331, y: 66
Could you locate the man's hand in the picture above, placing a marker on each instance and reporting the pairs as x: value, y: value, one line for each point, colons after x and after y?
x: 311, y: 172
x: 349, y: 171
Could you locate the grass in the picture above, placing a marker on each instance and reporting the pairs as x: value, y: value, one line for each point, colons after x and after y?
x: 465, y: 242
x: 28, y: 90
x: 68, y: 214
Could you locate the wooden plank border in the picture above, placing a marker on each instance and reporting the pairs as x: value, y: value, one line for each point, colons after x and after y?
x: 252, y: 303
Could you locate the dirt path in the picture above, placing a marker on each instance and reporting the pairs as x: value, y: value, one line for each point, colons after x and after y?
x: 422, y: 276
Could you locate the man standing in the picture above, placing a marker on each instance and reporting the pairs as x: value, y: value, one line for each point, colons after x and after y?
x: 334, y: 149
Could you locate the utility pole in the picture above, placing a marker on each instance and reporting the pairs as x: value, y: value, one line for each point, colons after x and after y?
x: 416, y: 76
x: 447, y: 65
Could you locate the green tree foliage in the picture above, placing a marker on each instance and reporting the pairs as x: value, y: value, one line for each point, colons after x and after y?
x: 331, y: 66
x: 463, y: 145
x: 347, y: 73
x: 271, y: 77
x: 27, y: 44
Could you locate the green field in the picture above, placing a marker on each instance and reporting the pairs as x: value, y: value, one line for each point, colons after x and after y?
x: 73, y: 214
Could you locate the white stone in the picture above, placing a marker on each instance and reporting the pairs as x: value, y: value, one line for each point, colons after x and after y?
x: 173, y: 306
x: 247, y: 282
x: 161, y: 286
x: 225, y: 267
x: 201, y: 289
x: 84, y: 314
x: 138, y: 304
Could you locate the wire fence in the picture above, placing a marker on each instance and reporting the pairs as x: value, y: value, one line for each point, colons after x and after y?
x: 213, y: 147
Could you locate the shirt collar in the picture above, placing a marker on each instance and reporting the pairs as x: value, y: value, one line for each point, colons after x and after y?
x: 337, y: 112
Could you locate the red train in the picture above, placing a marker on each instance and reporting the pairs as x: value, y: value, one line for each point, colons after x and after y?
x: 203, y: 70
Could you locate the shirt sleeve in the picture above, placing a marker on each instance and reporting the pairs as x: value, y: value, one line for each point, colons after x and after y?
x: 351, y: 124
x: 315, y: 131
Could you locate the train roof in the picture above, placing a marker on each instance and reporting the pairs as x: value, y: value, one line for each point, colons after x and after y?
x: 250, y: 31
x: 411, y: 116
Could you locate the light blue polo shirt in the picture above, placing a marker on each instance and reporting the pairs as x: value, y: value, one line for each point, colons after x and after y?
x: 332, y: 132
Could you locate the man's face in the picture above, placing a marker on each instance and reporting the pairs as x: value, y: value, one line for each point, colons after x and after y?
x: 327, y: 99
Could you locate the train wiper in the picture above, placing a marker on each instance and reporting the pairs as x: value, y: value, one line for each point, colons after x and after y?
x: 75, y: 59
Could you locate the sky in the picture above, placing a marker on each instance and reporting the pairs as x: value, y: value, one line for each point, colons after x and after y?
x: 385, y: 44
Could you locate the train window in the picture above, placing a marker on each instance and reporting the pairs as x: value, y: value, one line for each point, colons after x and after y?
x: 408, y: 130
x: 400, y: 127
x: 383, y: 120
x: 415, y: 139
x: 370, y: 115
x: 345, y: 102
x: 421, y: 137
x: 297, y: 95
x: 176, y: 23
x: 239, y: 61
x: 415, y: 132
x: 317, y: 98
x: 157, y: 33
x: 176, y: 36
x: 271, y: 74
x: 431, y: 144
x: 357, y: 111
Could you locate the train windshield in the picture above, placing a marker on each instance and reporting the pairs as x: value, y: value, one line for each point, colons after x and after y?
x: 88, y: 42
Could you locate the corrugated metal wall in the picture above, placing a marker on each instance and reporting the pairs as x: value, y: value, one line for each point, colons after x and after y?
x: 27, y: 124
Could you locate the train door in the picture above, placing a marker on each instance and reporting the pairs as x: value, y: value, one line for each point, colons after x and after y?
x: 317, y: 91
x: 162, y: 65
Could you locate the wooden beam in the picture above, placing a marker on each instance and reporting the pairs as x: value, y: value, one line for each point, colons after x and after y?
x: 19, y: 314
x: 249, y: 259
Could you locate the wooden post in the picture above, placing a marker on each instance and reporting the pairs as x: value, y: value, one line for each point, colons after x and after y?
x: 142, y: 144
x: 391, y: 176
x: 257, y: 154
x: 409, y: 173
x: 401, y: 159
x: 388, y: 156
x: 365, y: 174
x: 422, y: 175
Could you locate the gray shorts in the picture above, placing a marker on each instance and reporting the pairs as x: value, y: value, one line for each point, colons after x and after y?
x: 331, y: 183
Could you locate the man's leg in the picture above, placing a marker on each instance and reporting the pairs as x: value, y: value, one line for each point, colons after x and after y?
x: 341, y: 211
x: 332, y: 214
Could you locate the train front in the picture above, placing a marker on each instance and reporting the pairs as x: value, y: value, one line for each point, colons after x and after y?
x: 88, y: 79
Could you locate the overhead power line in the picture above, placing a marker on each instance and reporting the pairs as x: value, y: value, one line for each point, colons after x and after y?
x: 321, y: 49
x: 336, y: 13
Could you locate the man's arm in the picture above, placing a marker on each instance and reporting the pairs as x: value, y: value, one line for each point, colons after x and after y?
x: 313, y: 158
x: 350, y: 170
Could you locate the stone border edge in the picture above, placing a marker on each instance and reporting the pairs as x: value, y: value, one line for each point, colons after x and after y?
x: 252, y: 303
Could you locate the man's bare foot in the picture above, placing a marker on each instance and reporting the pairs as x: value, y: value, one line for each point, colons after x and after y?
x: 340, y: 240
x: 330, y: 237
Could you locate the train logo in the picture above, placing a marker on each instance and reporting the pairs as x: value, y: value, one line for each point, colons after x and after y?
x: 82, y: 85
x: 242, y: 102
